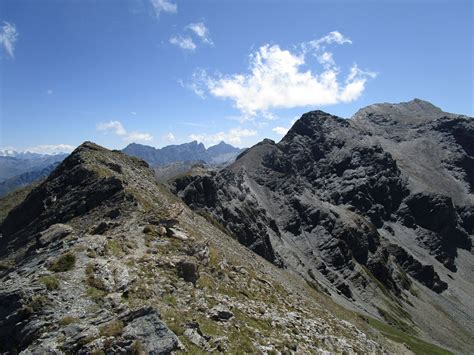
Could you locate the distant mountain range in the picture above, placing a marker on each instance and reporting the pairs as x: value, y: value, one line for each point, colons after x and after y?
x: 219, y: 154
x: 26, y: 154
x: 15, y: 163
x: 26, y: 178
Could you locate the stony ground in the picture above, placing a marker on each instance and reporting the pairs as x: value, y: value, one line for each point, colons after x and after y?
x: 137, y: 271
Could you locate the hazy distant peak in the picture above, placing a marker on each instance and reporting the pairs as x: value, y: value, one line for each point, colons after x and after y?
x: 192, y: 151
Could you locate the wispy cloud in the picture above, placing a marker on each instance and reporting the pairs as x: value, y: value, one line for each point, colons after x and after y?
x: 233, y: 136
x: 194, y: 124
x: 200, y: 30
x: 160, y: 6
x: 184, y: 42
x: 331, y: 38
x: 8, y: 37
x: 169, y: 137
x: 196, y: 29
x: 117, y: 128
x: 277, y: 79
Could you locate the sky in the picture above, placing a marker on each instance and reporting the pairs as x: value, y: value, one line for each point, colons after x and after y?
x: 162, y: 72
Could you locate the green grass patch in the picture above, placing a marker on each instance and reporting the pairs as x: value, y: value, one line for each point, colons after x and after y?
x: 96, y: 294
x: 68, y: 320
x: 170, y: 299
x: 113, y: 247
x: 418, y: 346
x: 63, y: 263
x: 111, y: 329
x: 51, y: 282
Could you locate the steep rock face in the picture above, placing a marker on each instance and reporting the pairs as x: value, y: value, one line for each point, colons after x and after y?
x: 347, y: 203
x: 100, y: 257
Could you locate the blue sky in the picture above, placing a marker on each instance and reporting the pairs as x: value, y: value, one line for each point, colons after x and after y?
x: 165, y: 72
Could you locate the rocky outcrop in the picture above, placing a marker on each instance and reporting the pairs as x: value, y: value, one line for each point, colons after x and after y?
x: 381, y: 201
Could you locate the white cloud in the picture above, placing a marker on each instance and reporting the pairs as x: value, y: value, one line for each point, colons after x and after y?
x: 280, y: 130
x: 200, y: 30
x: 133, y: 113
x: 164, y: 6
x: 185, y: 42
x: 117, y: 128
x: 331, y: 38
x: 8, y: 37
x: 233, y: 136
x: 114, y: 126
x: 169, y: 137
x: 138, y: 137
x: 195, y: 84
x: 326, y: 59
x: 51, y: 149
x: 278, y: 78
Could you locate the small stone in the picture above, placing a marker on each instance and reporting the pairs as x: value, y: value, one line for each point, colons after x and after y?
x: 176, y: 233
x: 188, y: 270
x: 220, y: 313
x: 101, y: 228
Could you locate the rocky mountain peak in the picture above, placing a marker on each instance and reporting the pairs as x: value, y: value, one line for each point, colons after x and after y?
x: 313, y: 122
x: 91, y: 178
x: 222, y: 148
x: 409, y: 113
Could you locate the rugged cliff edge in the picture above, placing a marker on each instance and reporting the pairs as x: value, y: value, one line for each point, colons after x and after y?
x: 100, y: 257
x: 377, y: 210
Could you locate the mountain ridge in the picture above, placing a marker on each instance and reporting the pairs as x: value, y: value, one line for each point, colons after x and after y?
x: 101, y: 257
x: 348, y: 204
